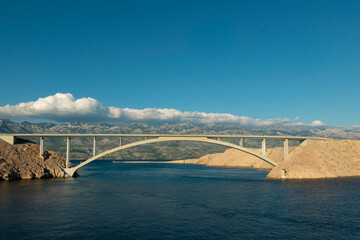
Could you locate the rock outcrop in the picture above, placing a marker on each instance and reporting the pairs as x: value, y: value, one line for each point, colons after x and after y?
x: 22, y: 161
x: 323, y: 159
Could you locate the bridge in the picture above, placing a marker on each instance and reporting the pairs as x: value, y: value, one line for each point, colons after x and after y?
x: 155, y: 138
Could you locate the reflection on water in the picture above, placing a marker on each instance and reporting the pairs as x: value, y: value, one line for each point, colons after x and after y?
x: 166, y: 201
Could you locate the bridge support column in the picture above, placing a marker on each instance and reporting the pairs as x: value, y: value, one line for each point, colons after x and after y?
x: 41, y: 146
x: 263, y: 147
x: 286, y: 149
x: 241, y: 142
x: 120, y: 141
x: 67, y: 152
x: 94, y: 147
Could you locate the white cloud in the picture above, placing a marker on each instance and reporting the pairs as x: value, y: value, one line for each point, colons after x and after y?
x: 317, y: 123
x: 64, y: 107
x: 57, y: 107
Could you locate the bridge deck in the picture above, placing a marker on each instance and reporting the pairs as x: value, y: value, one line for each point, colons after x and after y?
x: 30, y: 135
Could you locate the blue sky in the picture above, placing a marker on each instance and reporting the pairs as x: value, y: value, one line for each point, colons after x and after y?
x: 260, y: 59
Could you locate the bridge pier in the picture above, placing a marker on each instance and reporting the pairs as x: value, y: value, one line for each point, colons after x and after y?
x: 263, y: 147
x: 94, y: 147
x: 286, y: 149
x: 241, y: 142
x: 120, y: 141
x: 67, y: 164
x: 41, y: 146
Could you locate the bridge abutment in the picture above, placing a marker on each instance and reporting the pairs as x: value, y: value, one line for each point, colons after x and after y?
x: 8, y: 138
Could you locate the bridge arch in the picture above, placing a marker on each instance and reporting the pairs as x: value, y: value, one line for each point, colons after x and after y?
x: 72, y: 170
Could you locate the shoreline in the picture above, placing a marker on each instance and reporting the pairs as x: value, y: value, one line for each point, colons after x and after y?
x: 328, y: 159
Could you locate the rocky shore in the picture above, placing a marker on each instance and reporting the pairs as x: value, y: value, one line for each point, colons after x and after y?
x: 22, y: 161
x: 323, y: 159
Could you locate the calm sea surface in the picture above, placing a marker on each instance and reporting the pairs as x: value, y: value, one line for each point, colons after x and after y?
x: 165, y: 201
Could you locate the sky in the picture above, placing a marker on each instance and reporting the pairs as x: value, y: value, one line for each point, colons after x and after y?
x: 240, y: 62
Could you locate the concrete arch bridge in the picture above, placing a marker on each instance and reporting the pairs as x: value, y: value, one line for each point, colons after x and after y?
x: 153, y: 138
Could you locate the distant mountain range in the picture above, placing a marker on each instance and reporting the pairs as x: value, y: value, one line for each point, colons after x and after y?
x: 82, y: 148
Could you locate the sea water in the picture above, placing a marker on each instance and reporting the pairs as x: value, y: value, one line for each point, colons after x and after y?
x: 177, y: 201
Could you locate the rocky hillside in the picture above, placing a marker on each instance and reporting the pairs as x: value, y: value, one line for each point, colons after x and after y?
x: 324, y: 159
x: 22, y: 161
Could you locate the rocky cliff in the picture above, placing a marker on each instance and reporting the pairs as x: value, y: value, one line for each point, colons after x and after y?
x: 22, y: 161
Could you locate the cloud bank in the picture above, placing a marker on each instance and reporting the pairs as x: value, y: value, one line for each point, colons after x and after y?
x: 63, y: 107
